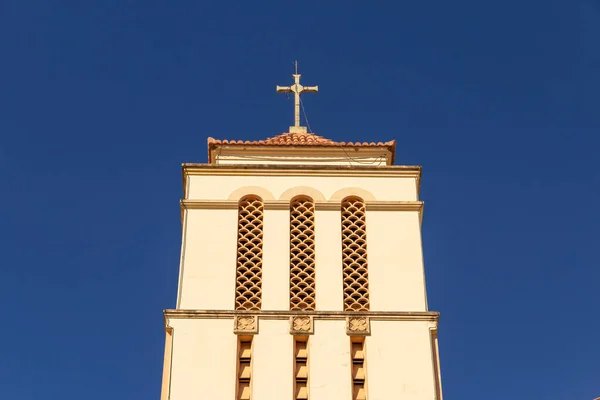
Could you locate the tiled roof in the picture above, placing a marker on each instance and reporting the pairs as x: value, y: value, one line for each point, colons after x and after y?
x: 299, y: 139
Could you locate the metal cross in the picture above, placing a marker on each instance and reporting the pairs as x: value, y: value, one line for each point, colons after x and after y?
x: 297, y: 89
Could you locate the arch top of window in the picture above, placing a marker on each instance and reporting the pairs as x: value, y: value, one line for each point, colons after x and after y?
x: 352, y: 198
x: 344, y: 193
x: 250, y: 197
x: 311, y: 192
x: 301, y: 197
x: 245, y: 191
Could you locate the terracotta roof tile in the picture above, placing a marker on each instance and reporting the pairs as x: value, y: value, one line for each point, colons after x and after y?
x: 298, y: 139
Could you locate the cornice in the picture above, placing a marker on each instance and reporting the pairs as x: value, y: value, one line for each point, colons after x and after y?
x: 276, y: 204
x: 394, y: 206
x: 319, y: 205
x: 431, y: 316
x: 392, y: 171
x: 417, y: 206
x: 328, y: 206
x: 396, y: 171
x: 208, y: 204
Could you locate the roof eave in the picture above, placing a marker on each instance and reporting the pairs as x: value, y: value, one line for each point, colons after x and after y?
x: 213, y: 144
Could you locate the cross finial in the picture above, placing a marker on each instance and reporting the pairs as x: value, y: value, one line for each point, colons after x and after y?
x: 297, y: 89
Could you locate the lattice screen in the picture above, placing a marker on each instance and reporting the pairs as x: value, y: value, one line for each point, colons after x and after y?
x: 302, y: 254
x: 249, y: 254
x: 354, y: 255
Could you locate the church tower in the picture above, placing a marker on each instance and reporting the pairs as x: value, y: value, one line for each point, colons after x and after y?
x: 301, y: 274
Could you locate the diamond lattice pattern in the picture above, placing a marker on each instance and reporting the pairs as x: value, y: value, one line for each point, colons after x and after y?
x: 302, y: 254
x: 354, y: 255
x: 249, y: 254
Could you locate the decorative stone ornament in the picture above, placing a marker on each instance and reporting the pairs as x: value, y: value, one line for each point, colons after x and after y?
x: 301, y: 325
x: 358, y: 326
x: 245, y: 324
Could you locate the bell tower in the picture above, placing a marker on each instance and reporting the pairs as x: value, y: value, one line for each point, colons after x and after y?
x: 301, y: 274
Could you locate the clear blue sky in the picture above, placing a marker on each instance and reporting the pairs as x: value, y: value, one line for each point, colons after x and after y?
x: 102, y: 101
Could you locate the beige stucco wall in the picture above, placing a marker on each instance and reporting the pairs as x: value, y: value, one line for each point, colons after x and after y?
x: 329, y: 362
x: 328, y: 251
x: 383, y: 188
x: 399, y: 361
x: 396, y: 273
x: 396, y: 277
x: 207, y: 272
x: 272, y: 361
x: 203, y: 359
x: 276, y: 260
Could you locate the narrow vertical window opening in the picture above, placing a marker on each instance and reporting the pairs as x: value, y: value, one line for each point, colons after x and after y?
x: 354, y: 255
x: 358, y: 368
x: 248, y: 291
x: 301, y: 368
x: 244, y: 368
x: 302, y: 254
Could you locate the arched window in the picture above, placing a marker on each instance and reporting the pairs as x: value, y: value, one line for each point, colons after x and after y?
x: 248, y: 291
x: 302, y: 254
x: 354, y: 254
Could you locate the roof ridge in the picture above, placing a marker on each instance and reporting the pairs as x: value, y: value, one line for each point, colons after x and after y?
x: 298, y: 138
